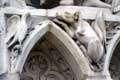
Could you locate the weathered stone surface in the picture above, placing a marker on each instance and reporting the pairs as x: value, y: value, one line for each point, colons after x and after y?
x: 59, y: 56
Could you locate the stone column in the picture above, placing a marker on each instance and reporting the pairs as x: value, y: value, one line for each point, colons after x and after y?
x: 3, y: 50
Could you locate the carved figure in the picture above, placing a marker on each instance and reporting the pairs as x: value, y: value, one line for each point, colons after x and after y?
x: 12, y: 24
x: 17, y: 31
x: 99, y: 27
x: 82, y: 31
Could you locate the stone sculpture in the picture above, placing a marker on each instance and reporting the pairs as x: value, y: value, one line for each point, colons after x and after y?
x: 3, y: 3
x: 96, y: 38
x: 12, y: 22
x: 99, y: 27
x: 17, y: 30
x: 79, y: 29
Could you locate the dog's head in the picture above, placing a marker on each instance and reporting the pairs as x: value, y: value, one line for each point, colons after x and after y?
x: 68, y: 15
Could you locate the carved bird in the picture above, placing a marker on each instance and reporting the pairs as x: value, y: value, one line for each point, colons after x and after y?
x: 21, y: 31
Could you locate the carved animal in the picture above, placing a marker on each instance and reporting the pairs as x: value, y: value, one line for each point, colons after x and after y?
x: 82, y: 31
x: 88, y: 37
x: 66, y: 19
x: 19, y: 33
x: 12, y: 23
x: 99, y: 27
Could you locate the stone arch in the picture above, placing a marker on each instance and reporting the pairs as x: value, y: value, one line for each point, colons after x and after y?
x: 75, y: 57
x: 111, y: 48
x: 115, y: 63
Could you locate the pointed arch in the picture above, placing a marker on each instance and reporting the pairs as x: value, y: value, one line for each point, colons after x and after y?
x: 75, y: 57
x: 110, y: 51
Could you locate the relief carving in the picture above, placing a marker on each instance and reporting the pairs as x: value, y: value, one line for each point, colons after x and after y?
x: 81, y: 31
x: 46, y: 65
x: 100, y: 28
x: 17, y: 30
x: 91, y: 36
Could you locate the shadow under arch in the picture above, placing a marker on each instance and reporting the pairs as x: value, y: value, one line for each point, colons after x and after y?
x: 110, y: 51
x: 115, y: 63
x: 75, y: 57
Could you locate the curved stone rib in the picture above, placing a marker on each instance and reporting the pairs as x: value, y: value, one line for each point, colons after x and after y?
x: 115, y: 39
x: 78, y: 58
x: 96, y: 3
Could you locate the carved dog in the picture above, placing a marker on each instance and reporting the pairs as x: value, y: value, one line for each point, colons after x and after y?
x: 82, y: 31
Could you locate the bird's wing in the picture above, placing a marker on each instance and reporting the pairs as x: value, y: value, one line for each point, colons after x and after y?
x: 12, y: 26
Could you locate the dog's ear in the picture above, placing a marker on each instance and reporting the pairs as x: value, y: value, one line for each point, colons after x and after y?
x: 76, y: 16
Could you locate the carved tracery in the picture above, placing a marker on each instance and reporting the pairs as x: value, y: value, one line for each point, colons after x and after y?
x: 46, y: 65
